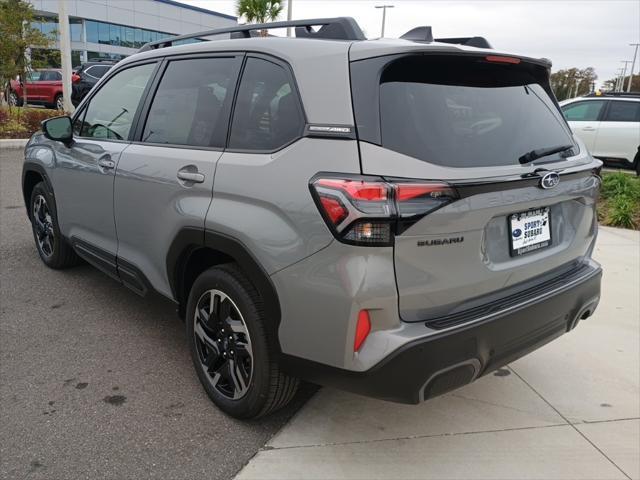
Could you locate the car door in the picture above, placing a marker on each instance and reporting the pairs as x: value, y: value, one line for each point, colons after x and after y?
x: 33, y: 86
x: 85, y: 170
x: 164, y: 180
x: 584, y: 120
x: 49, y: 83
x: 619, y: 132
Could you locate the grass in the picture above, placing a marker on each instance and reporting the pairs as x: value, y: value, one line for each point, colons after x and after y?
x: 19, y: 122
x: 619, y: 204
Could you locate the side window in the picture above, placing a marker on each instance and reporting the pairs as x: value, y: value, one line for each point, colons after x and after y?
x: 267, y: 113
x: 192, y: 103
x: 623, y: 112
x: 583, y: 111
x: 111, y: 110
x: 97, y: 71
x: 34, y: 76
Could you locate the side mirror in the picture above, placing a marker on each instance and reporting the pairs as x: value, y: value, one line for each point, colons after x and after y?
x: 58, y: 129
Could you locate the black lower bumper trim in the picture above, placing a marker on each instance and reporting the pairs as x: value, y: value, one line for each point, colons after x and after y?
x: 439, y: 363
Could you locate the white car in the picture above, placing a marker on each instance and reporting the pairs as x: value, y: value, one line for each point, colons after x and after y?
x: 609, y: 125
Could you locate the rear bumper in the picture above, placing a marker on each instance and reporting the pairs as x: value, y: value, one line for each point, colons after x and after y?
x: 436, y: 364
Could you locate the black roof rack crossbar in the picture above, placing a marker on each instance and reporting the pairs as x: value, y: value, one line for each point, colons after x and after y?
x: 339, y: 28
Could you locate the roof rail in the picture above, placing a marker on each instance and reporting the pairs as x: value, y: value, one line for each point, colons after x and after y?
x: 339, y: 28
x: 614, y: 94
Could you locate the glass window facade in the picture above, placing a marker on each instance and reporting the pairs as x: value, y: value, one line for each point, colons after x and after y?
x: 121, y: 35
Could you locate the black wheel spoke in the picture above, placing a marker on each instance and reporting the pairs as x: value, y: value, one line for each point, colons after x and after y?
x: 43, y: 226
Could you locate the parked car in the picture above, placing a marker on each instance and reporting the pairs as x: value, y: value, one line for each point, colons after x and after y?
x: 83, y: 79
x: 609, y: 125
x: 44, y: 87
x: 415, y: 217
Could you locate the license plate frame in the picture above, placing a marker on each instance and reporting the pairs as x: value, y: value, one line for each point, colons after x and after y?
x: 536, y: 214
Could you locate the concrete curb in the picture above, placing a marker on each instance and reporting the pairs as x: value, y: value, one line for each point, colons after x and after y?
x: 13, y: 143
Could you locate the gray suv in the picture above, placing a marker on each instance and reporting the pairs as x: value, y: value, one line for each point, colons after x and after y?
x: 393, y: 217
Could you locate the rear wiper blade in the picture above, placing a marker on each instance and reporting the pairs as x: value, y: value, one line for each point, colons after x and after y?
x: 543, y: 152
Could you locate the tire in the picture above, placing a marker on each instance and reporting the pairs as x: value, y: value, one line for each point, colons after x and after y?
x: 636, y: 162
x: 254, y: 392
x: 58, y: 103
x: 52, y: 247
x: 14, y: 100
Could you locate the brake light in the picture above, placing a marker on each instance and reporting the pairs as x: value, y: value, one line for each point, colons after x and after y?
x: 334, y: 209
x: 363, y: 328
x: 75, y: 78
x: 502, y: 59
x: 369, y: 211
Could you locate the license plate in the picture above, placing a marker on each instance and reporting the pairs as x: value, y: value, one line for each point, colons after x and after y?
x: 529, y: 231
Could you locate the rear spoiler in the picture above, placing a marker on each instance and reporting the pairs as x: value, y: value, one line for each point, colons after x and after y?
x: 425, y: 35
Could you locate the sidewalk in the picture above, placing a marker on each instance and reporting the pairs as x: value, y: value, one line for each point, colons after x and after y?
x: 569, y: 410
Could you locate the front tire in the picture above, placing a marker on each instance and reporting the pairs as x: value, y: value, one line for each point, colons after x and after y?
x: 232, y: 348
x: 14, y: 100
x: 52, y: 247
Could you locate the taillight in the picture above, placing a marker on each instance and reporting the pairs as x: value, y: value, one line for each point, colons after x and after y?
x: 502, y: 59
x: 370, y: 211
x: 75, y: 78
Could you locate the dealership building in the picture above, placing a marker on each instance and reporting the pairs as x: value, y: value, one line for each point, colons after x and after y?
x: 114, y: 29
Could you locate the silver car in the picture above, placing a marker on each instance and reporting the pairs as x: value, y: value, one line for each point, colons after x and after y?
x: 393, y: 217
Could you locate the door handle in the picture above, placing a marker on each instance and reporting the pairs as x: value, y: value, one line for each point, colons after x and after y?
x: 106, y: 163
x: 588, y: 129
x: 194, y: 177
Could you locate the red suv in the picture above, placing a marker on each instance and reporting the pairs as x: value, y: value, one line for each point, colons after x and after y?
x: 44, y: 87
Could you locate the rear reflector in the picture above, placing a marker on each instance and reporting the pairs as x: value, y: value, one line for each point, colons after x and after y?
x: 501, y: 59
x: 363, y: 327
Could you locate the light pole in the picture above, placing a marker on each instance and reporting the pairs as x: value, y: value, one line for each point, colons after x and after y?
x: 616, y: 88
x: 624, y: 73
x: 633, y: 64
x: 289, y: 15
x: 384, y: 16
x: 65, y: 55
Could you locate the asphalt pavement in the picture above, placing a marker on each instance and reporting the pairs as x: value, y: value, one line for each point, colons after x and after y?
x: 96, y: 382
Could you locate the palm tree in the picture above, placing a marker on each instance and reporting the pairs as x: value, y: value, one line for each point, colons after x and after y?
x: 259, y: 11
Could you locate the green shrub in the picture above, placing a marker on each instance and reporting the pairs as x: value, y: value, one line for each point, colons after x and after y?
x: 619, y: 204
x: 18, y: 122
x: 616, y: 184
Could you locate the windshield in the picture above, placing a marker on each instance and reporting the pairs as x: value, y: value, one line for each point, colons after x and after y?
x: 458, y: 112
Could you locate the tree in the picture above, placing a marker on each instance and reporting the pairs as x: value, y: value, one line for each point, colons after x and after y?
x: 572, y: 82
x: 17, y: 36
x: 259, y: 11
x: 610, y: 85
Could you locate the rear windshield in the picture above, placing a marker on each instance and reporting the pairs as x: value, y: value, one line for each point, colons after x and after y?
x: 462, y: 112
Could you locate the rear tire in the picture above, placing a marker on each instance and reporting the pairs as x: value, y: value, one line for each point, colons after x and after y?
x: 227, y: 332
x: 58, y: 102
x: 52, y: 247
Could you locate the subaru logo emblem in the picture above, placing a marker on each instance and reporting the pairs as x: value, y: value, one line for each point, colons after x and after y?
x: 550, y: 180
x: 516, y: 233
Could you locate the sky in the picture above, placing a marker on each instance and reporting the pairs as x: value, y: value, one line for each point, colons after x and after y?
x: 572, y: 33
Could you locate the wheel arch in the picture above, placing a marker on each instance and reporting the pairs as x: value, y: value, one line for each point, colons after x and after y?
x: 194, y: 251
x: 32, y: 174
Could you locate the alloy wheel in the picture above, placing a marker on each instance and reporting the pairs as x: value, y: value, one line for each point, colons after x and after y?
x: 223, y: 344
x: 60, y: 103
x: 13, y: 99
x: 43, y: 224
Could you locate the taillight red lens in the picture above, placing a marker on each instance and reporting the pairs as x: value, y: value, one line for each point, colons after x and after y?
x: 358, y: 189
x: 334, y: 209
x: 363, y: 328
x: 502, y: 59
x: 75, y: 78
x: 409, y: 191
x: 369, y: 210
